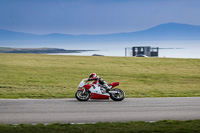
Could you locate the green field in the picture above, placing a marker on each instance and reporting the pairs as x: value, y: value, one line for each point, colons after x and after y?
x: 167, y: 126
x: 57, y: 76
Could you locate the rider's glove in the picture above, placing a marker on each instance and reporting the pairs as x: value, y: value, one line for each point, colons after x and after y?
x: 89, y: 80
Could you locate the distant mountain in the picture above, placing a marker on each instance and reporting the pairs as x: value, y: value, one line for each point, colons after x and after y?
x: 11, y: 35
x: 168, y: 31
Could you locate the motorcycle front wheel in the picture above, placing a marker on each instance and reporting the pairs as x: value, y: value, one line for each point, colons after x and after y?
x: 117, y: 96
x: 82, y: 96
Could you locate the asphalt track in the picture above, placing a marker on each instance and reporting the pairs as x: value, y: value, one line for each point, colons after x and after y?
x: 72, y: 111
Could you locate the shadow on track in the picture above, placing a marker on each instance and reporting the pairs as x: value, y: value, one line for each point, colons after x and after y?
x: 92, y: 100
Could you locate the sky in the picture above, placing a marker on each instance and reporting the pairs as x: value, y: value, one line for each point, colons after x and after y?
x: 94, y: 16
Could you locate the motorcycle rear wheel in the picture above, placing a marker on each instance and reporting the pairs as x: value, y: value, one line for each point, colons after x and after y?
x: 117, y: 96
x: 82, y: 96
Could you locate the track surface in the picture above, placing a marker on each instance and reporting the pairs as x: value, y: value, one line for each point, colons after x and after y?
x: 72, y: 111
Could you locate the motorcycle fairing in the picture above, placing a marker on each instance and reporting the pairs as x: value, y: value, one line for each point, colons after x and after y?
x: 99, y: 96
x: 88, y: 86
x: 96, y: 93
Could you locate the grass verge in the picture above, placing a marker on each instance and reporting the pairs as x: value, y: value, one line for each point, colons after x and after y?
x: 167, y: 126
x: 53, y: 76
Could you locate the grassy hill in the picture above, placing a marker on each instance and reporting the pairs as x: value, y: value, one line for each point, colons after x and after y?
x: 57, y: 76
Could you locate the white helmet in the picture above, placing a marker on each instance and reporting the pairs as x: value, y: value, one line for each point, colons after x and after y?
x: 92, y: 75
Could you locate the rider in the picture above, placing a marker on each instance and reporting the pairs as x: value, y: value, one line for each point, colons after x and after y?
x: 96, y: 79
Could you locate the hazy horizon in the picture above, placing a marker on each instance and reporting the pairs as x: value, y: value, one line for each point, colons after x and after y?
x: 95, y: 17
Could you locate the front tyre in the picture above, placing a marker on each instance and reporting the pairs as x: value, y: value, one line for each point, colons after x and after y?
x: 117, y: 96
x: 82, y: 96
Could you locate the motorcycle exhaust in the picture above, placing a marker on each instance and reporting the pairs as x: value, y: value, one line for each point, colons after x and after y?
x: 113, y: 92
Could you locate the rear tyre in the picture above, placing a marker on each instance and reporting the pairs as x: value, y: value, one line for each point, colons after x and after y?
x: 117, y: 96
x: 82, y: 96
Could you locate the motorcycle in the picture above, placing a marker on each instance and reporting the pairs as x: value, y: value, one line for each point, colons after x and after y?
x: 95, y: 90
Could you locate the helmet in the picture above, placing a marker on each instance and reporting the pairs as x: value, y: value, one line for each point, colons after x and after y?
x: 92, y: 75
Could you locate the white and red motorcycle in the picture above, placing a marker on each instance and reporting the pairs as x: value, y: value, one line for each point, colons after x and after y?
x: 94, y: 90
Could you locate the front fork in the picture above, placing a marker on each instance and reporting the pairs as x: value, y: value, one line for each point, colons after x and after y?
x: 84, y: 91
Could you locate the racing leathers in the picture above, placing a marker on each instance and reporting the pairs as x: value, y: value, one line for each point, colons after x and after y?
x: 101, y: 82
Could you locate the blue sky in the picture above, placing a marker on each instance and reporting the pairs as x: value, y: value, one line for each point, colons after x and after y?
x: 94, y: 16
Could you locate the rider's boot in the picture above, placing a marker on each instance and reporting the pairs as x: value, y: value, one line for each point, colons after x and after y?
x: 108, y: 88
